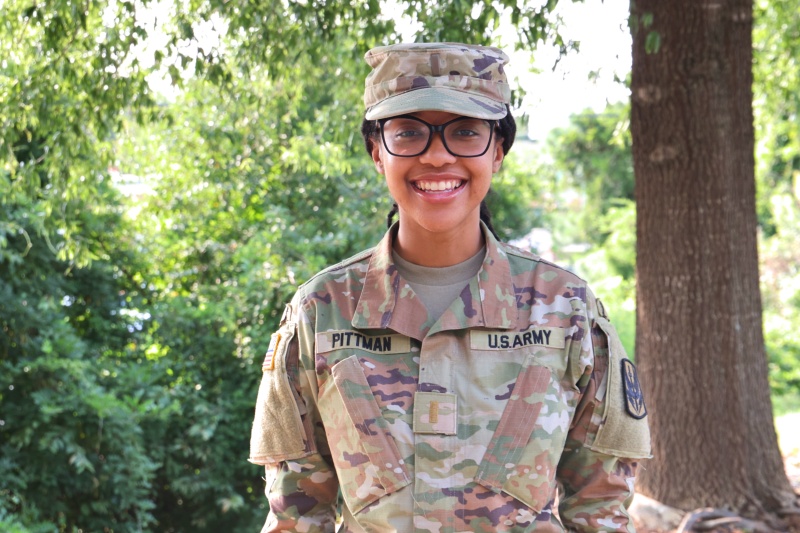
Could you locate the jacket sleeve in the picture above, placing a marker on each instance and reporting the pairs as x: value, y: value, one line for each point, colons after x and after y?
x: 608, y: 436
x: 302, y: 496
x: 301, y: 485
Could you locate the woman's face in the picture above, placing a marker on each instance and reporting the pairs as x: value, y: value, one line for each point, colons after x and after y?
x: 437, y: 191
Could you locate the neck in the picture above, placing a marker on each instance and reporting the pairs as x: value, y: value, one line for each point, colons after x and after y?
x: 438, y: 249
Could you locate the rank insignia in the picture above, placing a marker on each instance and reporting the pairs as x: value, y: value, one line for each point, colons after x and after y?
x: 634, y: 399
x: 269, y: 360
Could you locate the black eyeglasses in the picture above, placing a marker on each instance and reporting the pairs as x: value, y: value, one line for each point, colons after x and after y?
x: 407, y: 136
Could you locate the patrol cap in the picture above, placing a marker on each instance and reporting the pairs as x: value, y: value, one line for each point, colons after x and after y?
x: 459, y: 78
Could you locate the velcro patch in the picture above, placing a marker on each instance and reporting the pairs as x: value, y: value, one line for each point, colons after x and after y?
x: 435, y: 412
x: 634, y: 399
x: 269, y: 359
x: 336, y: 340
x: 512, y: 340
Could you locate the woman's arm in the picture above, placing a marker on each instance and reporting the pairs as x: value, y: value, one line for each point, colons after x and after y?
x: 301, y: 485
x: 608, y: 437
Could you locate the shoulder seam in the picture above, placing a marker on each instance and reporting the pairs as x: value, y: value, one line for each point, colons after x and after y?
x: 340, y: 265
x: 512, y: 250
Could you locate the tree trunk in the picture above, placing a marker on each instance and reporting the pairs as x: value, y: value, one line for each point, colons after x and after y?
x: 699, y: 343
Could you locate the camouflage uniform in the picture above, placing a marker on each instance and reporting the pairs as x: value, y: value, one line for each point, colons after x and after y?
x: 460, y: 78
x: 470, y: 422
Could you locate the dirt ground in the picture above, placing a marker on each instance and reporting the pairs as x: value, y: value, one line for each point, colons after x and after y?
x: 788, y: 427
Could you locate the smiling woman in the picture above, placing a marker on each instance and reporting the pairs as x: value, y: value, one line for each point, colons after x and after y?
x: 445, y: 381
x: 438, y: 193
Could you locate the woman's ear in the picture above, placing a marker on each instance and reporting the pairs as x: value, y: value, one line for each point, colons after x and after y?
x: 376, y: 156
x: 498, y: 154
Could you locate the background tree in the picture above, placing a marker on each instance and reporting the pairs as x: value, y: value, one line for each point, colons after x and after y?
x: 699, y: 332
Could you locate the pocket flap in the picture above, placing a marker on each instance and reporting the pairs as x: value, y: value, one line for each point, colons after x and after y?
x: 365, y: 414
x: 514, y: 462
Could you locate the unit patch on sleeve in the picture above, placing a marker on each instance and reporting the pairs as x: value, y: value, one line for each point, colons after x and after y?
x: 634, y: 399
x: 337, y: 340
x: 510, y: 340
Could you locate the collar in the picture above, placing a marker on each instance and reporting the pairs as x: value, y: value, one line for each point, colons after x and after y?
x: 388, y: 302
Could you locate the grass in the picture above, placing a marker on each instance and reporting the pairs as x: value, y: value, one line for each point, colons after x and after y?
x: 787, y: 423
x: 786, y: 404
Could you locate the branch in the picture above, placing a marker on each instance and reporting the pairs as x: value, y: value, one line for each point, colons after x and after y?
x: 708, y: 519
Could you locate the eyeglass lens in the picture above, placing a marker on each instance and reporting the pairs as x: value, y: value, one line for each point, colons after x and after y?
x: 463, y: 137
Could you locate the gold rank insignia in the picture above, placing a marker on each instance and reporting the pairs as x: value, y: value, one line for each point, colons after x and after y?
x: 634, y: 399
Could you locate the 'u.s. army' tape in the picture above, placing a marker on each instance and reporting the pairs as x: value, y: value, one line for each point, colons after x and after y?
x: 511, y: 340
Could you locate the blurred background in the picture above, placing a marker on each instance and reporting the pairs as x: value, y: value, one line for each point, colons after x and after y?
x: 171, y: 171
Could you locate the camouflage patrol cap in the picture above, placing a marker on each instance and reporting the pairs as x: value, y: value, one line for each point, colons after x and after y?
x: 459, y: 78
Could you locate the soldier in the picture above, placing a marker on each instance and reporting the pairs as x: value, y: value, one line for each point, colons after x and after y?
x: 444, y: 381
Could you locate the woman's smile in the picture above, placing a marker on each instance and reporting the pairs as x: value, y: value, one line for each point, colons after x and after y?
x: 430, y: 186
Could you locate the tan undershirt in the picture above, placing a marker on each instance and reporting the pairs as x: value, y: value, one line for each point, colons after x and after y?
x: 437, y: 287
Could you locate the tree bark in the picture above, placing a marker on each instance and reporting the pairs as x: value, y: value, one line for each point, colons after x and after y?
x: 699, y: 343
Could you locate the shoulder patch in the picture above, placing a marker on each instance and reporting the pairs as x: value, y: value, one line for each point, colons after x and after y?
x: 623, y: 429
x: 634, y: 399
x: 278, y: 433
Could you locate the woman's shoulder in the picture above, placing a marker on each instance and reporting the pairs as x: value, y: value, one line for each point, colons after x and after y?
x: 355, y: 265
x: 523, y: 260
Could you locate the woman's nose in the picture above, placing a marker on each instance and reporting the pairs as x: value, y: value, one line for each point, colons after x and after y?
x: 437, y: 154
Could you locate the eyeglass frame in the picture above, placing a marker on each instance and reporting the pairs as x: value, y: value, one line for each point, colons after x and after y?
x: 437, y: 128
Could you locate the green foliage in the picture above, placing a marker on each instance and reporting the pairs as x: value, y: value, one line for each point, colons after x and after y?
x: 65, y: 77
x: 518, y: 198
x: 610, y: 268
x: 781, y: 293
x: 776, y: 102
x: 593, y: 156
x: 73, y: 451
x: 652, y: 43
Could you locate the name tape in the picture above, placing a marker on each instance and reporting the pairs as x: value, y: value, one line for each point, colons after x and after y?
x: 337, y: 340
x: 506, y: 340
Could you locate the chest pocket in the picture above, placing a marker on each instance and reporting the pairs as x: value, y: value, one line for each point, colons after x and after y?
x: 523, y: 453
x: 367, y: 460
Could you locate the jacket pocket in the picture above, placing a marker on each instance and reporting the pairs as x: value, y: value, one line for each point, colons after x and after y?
x: 367, y: 460
x: 523, y: 453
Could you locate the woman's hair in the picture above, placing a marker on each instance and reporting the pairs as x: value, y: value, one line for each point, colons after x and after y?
x: 506, y: 129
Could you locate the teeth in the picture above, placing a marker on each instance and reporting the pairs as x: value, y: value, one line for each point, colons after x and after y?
x: 435, y: 186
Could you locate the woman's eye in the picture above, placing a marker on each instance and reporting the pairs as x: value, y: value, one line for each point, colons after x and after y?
x: 464, y: 132
x: 407, y: 133
x: 464, y: 129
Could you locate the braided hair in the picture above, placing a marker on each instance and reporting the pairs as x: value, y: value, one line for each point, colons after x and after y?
x: 506, y: 129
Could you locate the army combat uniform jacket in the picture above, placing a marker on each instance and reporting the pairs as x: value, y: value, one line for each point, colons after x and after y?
x: 472, y: 421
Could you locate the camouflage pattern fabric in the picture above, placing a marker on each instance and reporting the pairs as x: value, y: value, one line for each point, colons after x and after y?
x: 465, y: 79
x: 474, y: 421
